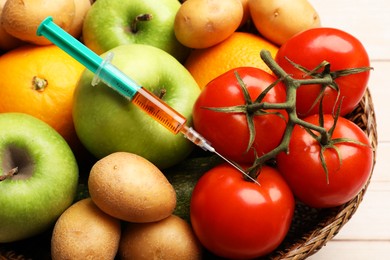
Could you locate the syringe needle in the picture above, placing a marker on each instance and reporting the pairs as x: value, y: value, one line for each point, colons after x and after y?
x: 200, y: 141
x: 238, y: 168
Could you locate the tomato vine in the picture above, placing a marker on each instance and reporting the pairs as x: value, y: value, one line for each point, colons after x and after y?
x: 321, y: 75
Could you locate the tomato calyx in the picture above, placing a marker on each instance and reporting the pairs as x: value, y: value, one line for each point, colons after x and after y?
x: 323, y: 70
x: 254, y: 106
x: 326, y: 141
x: 249, y: 108
x: 326, y: 79
x: 321, y: 75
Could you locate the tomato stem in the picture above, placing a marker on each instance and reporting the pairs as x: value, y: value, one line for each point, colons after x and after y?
x: 321, y: 75
x: 325, y: 78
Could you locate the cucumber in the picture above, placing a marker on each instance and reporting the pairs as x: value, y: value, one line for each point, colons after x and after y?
x: 184, y: 177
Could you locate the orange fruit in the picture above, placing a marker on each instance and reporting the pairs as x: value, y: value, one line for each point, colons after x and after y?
x: 40, y: 81
x: 240, y: 49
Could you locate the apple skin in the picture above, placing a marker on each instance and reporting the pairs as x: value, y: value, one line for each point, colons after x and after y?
x: 30, y: 204
x: 106, y: 122
x: 107, y: 25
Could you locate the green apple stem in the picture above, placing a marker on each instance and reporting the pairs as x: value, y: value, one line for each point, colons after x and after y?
x: 163, y: 91
x: 140, y: 18
x: 9, y: 174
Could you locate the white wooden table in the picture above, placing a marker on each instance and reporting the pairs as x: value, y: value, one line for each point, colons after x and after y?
x: 367, y: 234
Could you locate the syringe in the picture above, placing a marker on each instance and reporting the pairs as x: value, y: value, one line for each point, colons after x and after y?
x: 105, y: 71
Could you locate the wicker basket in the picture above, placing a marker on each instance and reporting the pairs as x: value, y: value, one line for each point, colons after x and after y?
x: 311, y: 228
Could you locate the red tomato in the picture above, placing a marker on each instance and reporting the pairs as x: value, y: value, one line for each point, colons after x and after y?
x: 229, y: 132
x: 305, y: 174
x: 239, y: 219
x: 342, y: 50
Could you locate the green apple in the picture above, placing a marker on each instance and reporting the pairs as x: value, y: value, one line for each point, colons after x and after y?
x: 106, y: 122
x: 38, y: 177
x: 110, y: 23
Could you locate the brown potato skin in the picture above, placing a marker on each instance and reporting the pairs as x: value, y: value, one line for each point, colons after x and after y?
x: 7, y: 41
x: 83, y: 231
x: 22, y: 18
x: 170, y: 238
x: 130, y: 188
x: 81, y: 9
x: 279, y: 20
x: 203, y: 23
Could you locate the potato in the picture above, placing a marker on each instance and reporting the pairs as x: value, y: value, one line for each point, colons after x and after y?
x: 131, y: 188
x: 22, y: 18
x: 83, y: 231
x: 7, y: 41
x: 170, y: 238
x: 279, y: 20
x: 204, y: 23
x: 81, y: 10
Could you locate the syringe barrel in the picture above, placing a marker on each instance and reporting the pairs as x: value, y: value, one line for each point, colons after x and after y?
x: 112, y: 76
x: 69, y: 44
x: 104, y: 70
x: 117, y: 80
x: 159, y: 110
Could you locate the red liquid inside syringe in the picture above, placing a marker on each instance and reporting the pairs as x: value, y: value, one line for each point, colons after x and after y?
x: 159, y: 110
x: 168, y: 117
